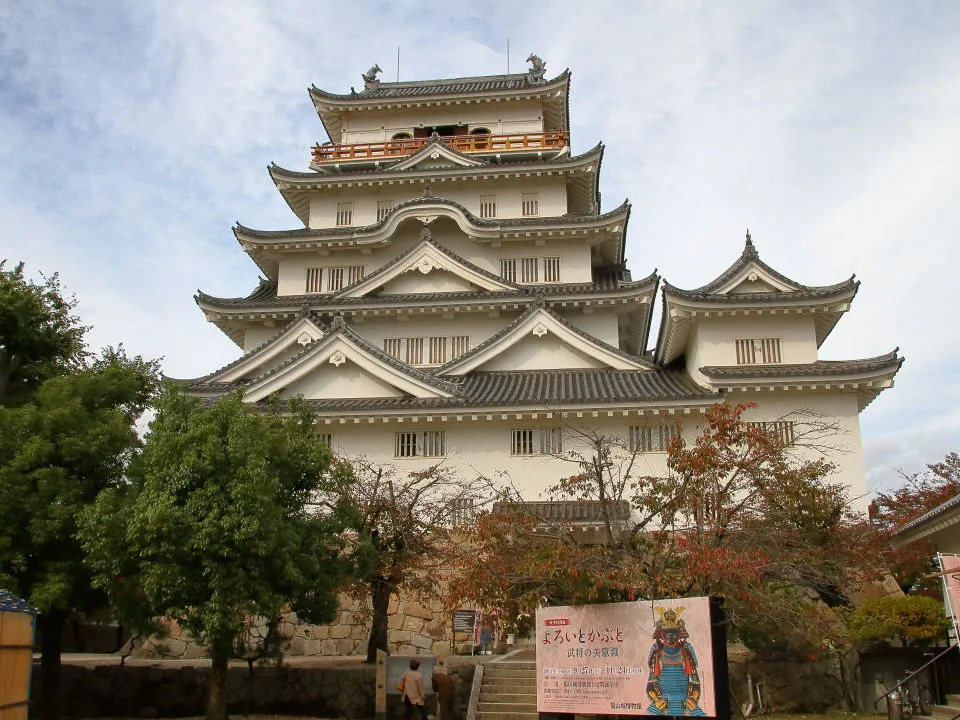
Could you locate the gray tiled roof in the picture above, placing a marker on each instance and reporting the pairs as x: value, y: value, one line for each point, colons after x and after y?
x: 708, y: 292
x: 889, y: 361
x: 451, y: 86
x: 349, y: 231
x: 265, y: 295
x: 568, y: 510
x: 929, y: 515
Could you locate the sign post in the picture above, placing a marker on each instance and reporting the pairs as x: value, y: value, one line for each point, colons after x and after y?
x: 465, y: 621
x: 637, y: 658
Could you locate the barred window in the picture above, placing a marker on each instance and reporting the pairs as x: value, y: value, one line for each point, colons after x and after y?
x: 314, y: 280
x: 651, y: 438
x: 354, y: 274
x: 414, y: 351
x: 508, y: 270
x: 488, y: 206
x: 461, y: 345
x: 462, y: 511
x: 405, y: 444
x: 551, y: 441
x: 521, y: 442
x: 383, y: 209
x: 438, y: 350
x: 756, y: 351
x: 326, y: 439
x: 434, y: 443
x: 551, y: 269
x: 431, y: 443
x: 393, y: 346
x: 530, y: 204
x: 529, y: 270
x: 345, y: 213
x: 783, y: 429
x: 529, y: 441
x: 335, y: 279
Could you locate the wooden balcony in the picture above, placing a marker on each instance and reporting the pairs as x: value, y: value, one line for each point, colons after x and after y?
x: 525, y: 142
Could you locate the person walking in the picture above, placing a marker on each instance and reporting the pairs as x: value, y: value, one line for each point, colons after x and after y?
x: 446, y: 691
x: 414, y: 692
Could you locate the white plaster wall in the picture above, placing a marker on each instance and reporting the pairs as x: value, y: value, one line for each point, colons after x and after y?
x: 552, y: 191
x: 712, y: 340
x: 601, y: 324
x: 436, y: 281
x: 256, y: 335
x: 541, y: 353
x: 347, y: 381
x: 500, y: 118
x: 482, y: 447
x: 574, y: 254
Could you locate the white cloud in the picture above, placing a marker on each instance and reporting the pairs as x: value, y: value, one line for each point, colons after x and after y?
x: 133, y: 135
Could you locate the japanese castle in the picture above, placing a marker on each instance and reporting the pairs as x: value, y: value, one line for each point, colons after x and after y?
x: 455, y: 293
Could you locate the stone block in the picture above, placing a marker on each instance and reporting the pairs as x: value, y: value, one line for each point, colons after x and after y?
x: 194, y: 652
x: 422, y: 642
x: 313, y: 646
x: 321, y: 632
x: 328, y: 647
x: 296, y: 646
x: 339, y: 632
x: 413, y: 624
x: 175, y: 648
x: 395, y: 621
x: 417, y: 610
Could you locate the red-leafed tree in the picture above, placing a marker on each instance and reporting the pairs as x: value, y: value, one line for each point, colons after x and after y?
x: 918, y: 494
x: 743, y: 512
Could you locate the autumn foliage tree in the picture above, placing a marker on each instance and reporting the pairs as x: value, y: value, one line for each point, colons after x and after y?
x: 741, y: 513
x: 402, y: 527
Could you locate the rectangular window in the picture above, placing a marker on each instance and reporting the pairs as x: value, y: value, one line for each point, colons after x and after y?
x: 461, y: 345
x: 783, y: 429
x: 651, y: 438
x: 551, y: 441
x: 326, y: 439
x: 345, y: 213
x: 354, y: 274
x: 314, y: 280
x: 405, y: 444
x: 529, y: 268
x: 438, y: 350
x: 392, y: 346
x: 530, y: 204
x: 434, y: 444
x: 551, y: 269
x: 431, y: 443
x: 334, y: 279
x: 508, y: 270
x: 757, y: 351
x: 383, y: 209
x: 414, y: 351
x: 521, y: 442
x: 462, y: 511
x: 488, y: 206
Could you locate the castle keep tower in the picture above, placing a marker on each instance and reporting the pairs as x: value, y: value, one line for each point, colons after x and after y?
x: 456, y: 293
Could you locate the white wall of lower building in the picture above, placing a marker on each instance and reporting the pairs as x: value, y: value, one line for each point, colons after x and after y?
x: 482, y: 447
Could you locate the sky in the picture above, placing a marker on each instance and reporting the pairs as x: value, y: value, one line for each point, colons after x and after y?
x: 134, y: 134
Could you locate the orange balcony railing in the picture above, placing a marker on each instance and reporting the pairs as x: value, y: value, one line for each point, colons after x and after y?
x: 554, y: 140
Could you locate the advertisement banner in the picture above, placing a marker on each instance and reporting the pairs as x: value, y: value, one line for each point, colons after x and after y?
x: 634, y: 658
x: 950, y: 567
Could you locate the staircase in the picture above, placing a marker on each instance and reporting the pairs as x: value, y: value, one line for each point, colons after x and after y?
x: 948, y: 711
x: 509, y: 691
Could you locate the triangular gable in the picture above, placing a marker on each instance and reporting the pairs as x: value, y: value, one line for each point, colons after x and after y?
x: 436, y: 154
x: 755, y: 277
x: 542, y: 324
x: 359, y: 369
x: 301, y: 332
x: 425, y: 258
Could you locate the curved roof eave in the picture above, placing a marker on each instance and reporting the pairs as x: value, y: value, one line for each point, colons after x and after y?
x: 381, y: 230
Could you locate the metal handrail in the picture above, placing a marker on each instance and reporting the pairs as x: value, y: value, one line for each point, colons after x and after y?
x: 912, y: 675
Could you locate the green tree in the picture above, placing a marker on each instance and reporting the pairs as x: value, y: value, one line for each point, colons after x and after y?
x: 72, y: 440
x: 39, y: 336
x: 911, y: 619
x: 218, y: 527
